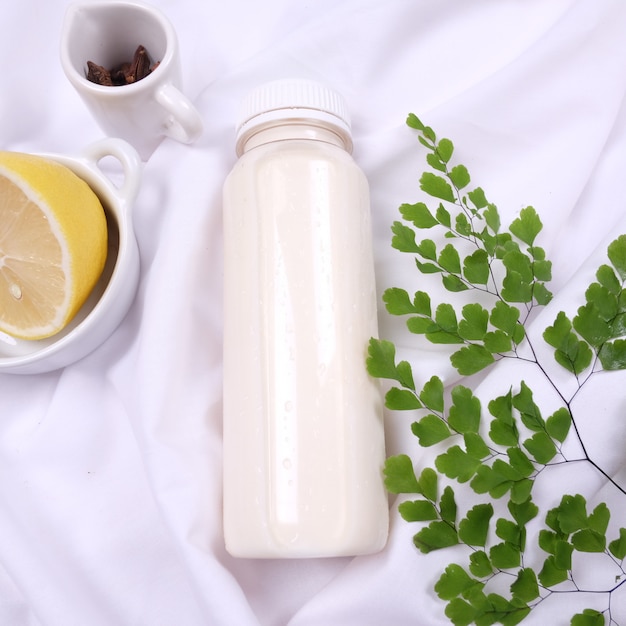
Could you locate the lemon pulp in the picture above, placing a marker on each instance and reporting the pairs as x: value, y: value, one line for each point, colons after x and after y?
x: 53, y: 244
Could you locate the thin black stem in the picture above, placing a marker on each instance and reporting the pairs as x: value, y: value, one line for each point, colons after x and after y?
x: 567, y: 402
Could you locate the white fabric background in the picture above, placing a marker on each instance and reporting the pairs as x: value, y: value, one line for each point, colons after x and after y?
x: 110, y: 470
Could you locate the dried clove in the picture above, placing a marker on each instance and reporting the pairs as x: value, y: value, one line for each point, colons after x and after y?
x: 98, y: 74
x: 123, y: 74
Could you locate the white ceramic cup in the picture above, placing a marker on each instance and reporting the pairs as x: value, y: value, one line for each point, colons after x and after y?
x: 112, y: 296
x: 144, y: 112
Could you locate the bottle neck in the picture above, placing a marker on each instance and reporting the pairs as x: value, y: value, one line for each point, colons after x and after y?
x: 285, y: 130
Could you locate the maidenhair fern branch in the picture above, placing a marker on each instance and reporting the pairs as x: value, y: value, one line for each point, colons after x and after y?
x: 503, y: 458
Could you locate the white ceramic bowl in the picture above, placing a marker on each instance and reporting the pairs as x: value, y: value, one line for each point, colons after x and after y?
x: 113, y: 294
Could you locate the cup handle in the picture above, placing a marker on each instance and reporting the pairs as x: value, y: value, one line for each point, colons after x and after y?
x: 185, y: 125
x: 129, y: 159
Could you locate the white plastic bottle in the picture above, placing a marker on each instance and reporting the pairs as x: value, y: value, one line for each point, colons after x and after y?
x: 303, y: 428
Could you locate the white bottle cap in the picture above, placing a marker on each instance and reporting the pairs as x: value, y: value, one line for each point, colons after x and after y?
x: 293, y: 99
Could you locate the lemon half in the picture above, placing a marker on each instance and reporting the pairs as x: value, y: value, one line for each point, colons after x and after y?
x: 53, y: 244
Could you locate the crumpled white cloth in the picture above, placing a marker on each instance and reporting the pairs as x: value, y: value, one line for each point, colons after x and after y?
x: 110, y: 470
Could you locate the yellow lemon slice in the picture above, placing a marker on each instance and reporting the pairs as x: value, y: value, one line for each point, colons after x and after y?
x: 53, y: 244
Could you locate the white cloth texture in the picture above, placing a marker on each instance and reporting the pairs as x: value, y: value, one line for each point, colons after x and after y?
x: 110, y: 469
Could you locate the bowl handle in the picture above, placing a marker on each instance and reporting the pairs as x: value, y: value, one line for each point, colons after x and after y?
x: 128, y: 158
